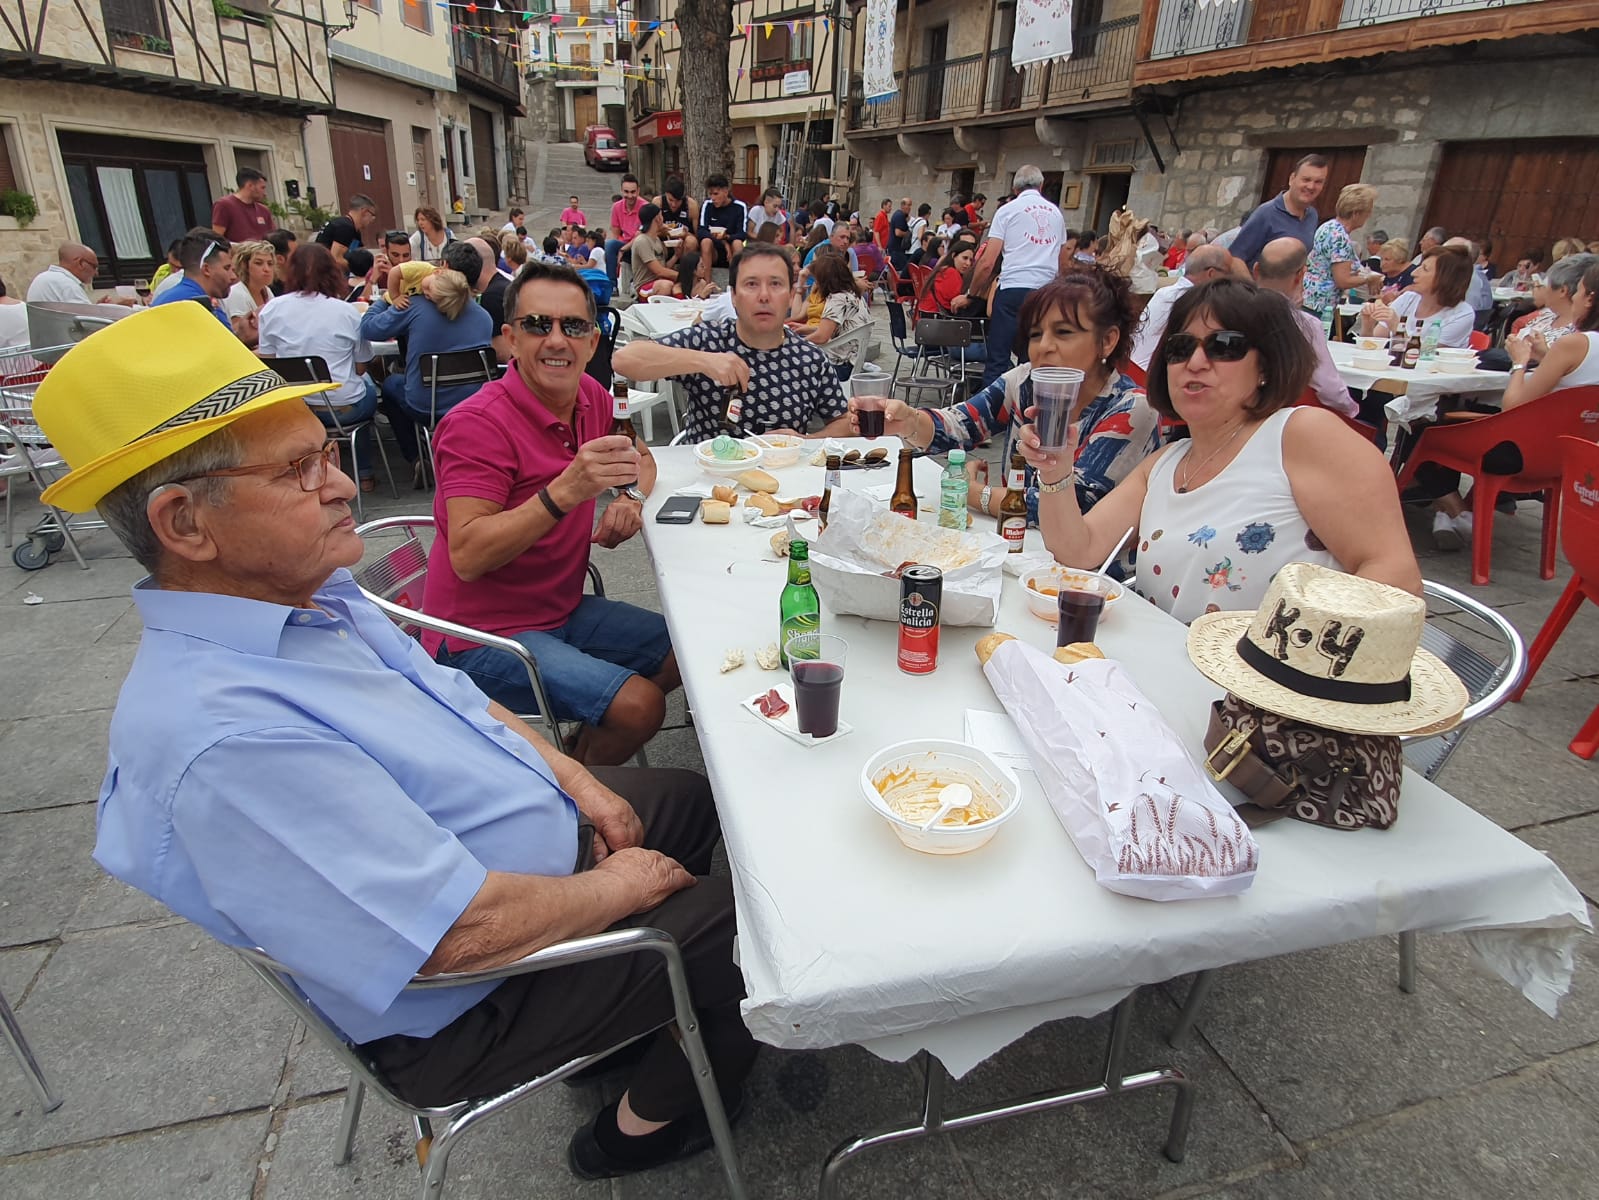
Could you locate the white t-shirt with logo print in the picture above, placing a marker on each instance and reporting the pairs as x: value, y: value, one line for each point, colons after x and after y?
x: 1032, y: 230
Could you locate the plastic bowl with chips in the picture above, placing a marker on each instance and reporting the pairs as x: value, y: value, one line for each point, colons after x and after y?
x: 711, y: 465
x: 780, y: 450
x: 940, y: 761
x: 1042, y: 588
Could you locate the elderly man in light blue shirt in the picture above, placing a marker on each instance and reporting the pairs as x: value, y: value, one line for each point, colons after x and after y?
x: 318, y: 787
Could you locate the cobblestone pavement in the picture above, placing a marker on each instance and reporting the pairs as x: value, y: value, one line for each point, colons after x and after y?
x: 184, y: 1078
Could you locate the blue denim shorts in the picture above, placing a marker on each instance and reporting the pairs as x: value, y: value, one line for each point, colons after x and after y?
x: 583, y: 663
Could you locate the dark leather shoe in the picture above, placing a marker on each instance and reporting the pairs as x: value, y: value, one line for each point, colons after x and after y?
x: 587, y: 1159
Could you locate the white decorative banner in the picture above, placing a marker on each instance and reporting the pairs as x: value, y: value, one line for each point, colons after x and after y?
x: 877, y: 75
x: 1043, y: 32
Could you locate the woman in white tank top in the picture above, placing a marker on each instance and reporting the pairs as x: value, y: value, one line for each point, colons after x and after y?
x: 1257, y: 485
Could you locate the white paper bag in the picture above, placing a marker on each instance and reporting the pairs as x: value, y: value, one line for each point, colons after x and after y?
x: 1138, y: 808
x: 863, y: 541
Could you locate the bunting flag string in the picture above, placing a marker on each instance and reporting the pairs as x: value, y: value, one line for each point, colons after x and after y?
x: 632, y: 27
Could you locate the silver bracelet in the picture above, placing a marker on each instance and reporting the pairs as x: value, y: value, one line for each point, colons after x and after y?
x: 983, y: 502
x: 1049, y: 489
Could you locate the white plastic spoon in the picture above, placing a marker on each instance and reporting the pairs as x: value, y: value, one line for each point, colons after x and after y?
x: 954, y: 795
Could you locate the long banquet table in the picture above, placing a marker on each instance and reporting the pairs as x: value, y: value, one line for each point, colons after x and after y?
x: 847, y: 936
x: 1422, y: 388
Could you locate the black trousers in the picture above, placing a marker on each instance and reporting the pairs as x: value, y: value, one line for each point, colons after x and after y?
x: 531, y: 1023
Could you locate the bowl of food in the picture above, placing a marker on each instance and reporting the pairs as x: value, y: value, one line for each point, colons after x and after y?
x: 1042, y: 588
x: 1459, y: 358
x: 780, y: 449
x: 902, y: 784
x: 1370, y: 361
x: 716, y: 230
x: 1370, y: 345
x: 724, y: 455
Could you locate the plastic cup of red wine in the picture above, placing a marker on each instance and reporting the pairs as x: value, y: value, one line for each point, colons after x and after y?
x: 1079, y: 606
x: 816, y: 668
x: 869, y: 387
x: 1054, y: 393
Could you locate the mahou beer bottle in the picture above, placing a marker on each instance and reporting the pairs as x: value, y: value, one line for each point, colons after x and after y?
x: 904, y: 499
x: 834, y: 478
x: 733, y: 413
x: 622, y: 417
x: 1013, y: 508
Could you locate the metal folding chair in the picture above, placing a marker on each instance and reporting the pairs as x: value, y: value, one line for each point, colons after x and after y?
x: 939, y: 341
x: 25, y: 451
x: 313, y: 368
x: 30, y: 1065
x: 396, y: 583
x: 1489, y: 683
x: 453, y: 368
x: 438, y: 1129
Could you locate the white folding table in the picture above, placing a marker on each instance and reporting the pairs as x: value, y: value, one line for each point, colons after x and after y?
x: 845, y: 935
x: 1422, y: 387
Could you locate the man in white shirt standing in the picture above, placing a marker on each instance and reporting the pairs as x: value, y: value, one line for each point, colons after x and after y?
x: 1028, y: 231
x: 1203, y: 264
x: 67, y: 280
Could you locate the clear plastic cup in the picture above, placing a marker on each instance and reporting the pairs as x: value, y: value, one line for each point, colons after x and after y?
x: 816, y: 668
x: 1054, y: 393
x: 869, y: 389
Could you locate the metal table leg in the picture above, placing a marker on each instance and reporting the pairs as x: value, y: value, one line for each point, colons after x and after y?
x: 12, y: 1032
x: 1112, y: 1082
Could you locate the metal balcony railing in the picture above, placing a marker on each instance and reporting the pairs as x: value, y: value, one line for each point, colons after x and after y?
x: 1186, y: 27
x: 1374, y: 12
x: 487, y: 64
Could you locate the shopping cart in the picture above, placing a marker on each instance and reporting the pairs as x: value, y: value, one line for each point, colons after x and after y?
x: 25, y: 453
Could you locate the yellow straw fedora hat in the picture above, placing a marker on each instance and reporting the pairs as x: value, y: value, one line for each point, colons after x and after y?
x: 138, y: 391
x: 1331, y: 650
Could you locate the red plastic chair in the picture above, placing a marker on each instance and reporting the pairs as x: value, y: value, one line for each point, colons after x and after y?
x: 1479, y: 340
x: 1579, y: 536
x: 1536, y: 430
x: 1136, y: 373
x: 919, y: 276
x: 1309, y: 400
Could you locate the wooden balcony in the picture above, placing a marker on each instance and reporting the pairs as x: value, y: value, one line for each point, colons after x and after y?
x: 1181, y: 39
x: 983, y: 88
x: 485, y: 61
x: 270, y: 55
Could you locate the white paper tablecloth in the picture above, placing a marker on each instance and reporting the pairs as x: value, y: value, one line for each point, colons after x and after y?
x: 848, y: 936
x: 1422, y: 388
x: 657, y: 320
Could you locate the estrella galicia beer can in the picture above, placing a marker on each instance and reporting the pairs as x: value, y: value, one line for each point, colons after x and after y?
x: 921, y: 596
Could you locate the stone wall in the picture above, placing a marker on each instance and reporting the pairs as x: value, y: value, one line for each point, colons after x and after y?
x: 37, y: 109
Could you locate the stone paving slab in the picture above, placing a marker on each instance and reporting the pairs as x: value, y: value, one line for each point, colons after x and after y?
x: 18, y: 970
x: 51, y: 761
x: 63, y: 680
x: 202, y: 1161
x: 68, y: 626
x: 147, y: 1027
x: 1516, y: 778
x: 1574, y: 845
x: 1326, y: 1038
x: 1518, y: 1138
x: 45, y: 869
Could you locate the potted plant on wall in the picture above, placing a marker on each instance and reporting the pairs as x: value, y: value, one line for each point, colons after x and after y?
x: 19, y: 206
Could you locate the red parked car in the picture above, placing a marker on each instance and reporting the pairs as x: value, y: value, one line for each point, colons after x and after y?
x: 603, y: 150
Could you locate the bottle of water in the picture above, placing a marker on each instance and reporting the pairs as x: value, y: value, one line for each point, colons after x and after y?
x: 1327, y: 315
x: 1429, y: 341
x: 952, y: 492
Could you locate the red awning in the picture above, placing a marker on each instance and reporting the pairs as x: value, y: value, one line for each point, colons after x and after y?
x: 657, y: 126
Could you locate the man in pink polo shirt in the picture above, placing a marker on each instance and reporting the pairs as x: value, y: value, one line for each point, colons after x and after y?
x: 624, y: 226
x: 520, y: 465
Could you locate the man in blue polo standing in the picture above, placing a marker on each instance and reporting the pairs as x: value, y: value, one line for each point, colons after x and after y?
x: 1028, y: 232
x: 1290, y: 213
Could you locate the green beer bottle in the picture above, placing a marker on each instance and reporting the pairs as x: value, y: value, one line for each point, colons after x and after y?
x: 800, y: 607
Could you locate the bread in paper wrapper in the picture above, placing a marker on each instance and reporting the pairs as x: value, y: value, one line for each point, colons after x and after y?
x: 852, y: 559
x: 1138, y: 808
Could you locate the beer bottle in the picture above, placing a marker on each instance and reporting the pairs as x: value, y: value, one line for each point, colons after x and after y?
x: 835, y: 478
x: 1413, y: 345
x: 1013, y: 508
x: 622, y: 418
x: 1396, y: 344
x: 904, y: 499
x: 799, y: 607
x: 733, y: 412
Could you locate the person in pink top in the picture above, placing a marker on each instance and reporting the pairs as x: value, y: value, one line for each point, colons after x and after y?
x: 520, y: 465
x: 624, y: 226
x: 572, y: 214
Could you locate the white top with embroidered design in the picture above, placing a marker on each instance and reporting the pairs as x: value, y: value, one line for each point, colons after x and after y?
x: 1217, y: 547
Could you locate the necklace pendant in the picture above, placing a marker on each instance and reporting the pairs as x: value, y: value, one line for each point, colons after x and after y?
x: 1181, y: 491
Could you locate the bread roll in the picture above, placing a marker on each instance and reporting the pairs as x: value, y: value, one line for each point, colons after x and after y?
x: 1076, y: 652
x: 716, y: 512
x: 757, y: 480
x: 992, y: 642
x: 725, y: 494
x: 763, y: 503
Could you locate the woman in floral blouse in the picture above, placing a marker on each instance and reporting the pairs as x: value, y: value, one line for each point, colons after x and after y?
x: 1082, y: 319
x: 1334, y: 265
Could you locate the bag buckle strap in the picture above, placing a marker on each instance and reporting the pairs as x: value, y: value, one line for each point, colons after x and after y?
x: 1233, y: 747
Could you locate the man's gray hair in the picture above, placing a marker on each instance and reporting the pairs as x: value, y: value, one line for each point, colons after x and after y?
x: 125, y: 509
x: 1437, y: 233
x: 1028, y: 176
x: 1568, y: 272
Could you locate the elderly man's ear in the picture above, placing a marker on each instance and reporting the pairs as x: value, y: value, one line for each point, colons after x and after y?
x: 179, y: 522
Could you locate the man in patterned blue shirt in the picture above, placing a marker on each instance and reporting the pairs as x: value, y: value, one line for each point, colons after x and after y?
x: 320, y: 788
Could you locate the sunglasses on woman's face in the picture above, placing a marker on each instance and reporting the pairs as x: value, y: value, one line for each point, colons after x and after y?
x: 542, y: 326
x: 1221, y: 345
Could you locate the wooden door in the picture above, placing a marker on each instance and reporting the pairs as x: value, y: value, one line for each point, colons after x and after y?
x: 1276, y: 19
x: 1344, y: 164
x: 1523, y: 195
x: 585, y: 109
x: 422, y: 164
x: 485, y: 167
x: 937, y: 52
x: 361, y: 163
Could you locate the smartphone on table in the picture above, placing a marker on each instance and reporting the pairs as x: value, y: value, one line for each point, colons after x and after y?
x: 678, y: 510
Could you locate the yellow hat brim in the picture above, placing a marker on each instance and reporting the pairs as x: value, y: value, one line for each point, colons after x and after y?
x: 84, y: 487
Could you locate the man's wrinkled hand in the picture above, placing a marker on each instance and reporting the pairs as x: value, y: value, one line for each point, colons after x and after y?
x: 605, y: 462
x: 621, y: 519
x: 649, y: 875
